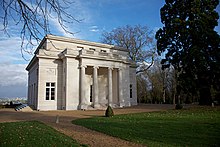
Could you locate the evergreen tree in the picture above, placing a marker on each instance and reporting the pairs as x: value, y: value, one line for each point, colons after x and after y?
x: 191, y: 45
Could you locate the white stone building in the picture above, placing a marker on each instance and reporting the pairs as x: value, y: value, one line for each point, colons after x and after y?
x: 72, y: 74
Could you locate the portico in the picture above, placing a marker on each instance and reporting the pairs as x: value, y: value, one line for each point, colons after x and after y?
x: 74, y: 74
x: 96, y: 86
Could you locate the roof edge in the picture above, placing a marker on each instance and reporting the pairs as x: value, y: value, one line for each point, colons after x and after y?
x: 31, y: 62
x: 84, y: 42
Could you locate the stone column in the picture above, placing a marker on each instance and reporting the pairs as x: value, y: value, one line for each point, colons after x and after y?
x: 110, y: 86
x: 95, y: 92
x: 120, y: 88
x: 83, y: 104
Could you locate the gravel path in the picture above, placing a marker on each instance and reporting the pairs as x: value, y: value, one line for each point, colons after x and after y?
x: 79, y: 133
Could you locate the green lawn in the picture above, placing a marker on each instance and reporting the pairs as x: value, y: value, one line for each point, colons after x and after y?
x: 195, y: 127
x: 32, y: 133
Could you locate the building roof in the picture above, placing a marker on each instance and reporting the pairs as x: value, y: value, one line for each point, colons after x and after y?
x: 72, y: 40
x: 78, y: 41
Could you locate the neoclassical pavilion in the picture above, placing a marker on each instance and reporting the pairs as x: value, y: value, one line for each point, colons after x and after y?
x: 71, y: 74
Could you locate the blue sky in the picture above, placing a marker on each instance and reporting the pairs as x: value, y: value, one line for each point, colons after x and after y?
x: 97, y: 16
x: 104, y: 15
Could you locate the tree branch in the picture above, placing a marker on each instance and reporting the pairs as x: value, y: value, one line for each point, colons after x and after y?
x: 34, y: 17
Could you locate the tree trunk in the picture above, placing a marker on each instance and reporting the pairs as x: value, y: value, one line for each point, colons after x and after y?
x: 164, y: 95
x: 179, y: 99
x: 174, y: 98
x: 205, y: 96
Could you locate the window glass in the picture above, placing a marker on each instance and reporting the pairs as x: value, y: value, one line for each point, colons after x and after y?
x: 90, y: 93
x: 130, y: 90
x: 52, y: 93
x: 47, y: 93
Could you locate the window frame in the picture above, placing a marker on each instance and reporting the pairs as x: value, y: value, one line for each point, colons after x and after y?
x: 50, y: 91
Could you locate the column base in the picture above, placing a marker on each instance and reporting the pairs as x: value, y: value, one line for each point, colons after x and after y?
x: 121, y: 104
x: 96, y: 105
x: 110, y: 104
x: 83, y: 107
x: 127, y: 104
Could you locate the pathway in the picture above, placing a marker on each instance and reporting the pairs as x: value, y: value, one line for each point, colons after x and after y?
x: 79, y: 133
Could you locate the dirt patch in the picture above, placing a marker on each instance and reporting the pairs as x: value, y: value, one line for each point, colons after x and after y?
x: 79, y: 133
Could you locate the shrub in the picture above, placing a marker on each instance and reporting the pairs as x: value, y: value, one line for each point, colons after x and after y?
x: 109, y: 112
x: 178, y: 106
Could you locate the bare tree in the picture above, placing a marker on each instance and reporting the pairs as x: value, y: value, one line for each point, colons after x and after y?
x: 157, y: 80
x: 139, y: 40
x: 34, y: 18
x: 159, y: 84
x: 142, y: 89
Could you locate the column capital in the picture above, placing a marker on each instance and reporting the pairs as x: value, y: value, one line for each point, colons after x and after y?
x: 120, y: 69
x: 95, y: 67
x: 83, y: 66
x: 110, y: 68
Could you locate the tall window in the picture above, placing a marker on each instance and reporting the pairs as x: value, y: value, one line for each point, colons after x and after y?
x: 90, y: 93
x: 130, y: 90
x: 50, y: 91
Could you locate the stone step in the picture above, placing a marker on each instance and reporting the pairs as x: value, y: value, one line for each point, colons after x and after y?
x: 26, y: 109
x: 102, y: 107
x: 23, y: 108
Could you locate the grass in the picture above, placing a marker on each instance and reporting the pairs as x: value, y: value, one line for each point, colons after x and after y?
x: 32, y: 133
x: 194, y: 127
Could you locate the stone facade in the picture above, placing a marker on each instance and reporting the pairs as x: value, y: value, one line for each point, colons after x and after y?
x: 72, y: 74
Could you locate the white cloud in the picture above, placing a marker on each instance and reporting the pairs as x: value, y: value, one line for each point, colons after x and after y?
x: 13, y: 74
x: 12, y: 66
x: 81, y: 11
x: 94, y: 29
x: 13, y: 80
x: 59, y: 28
x: 10, y: 50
